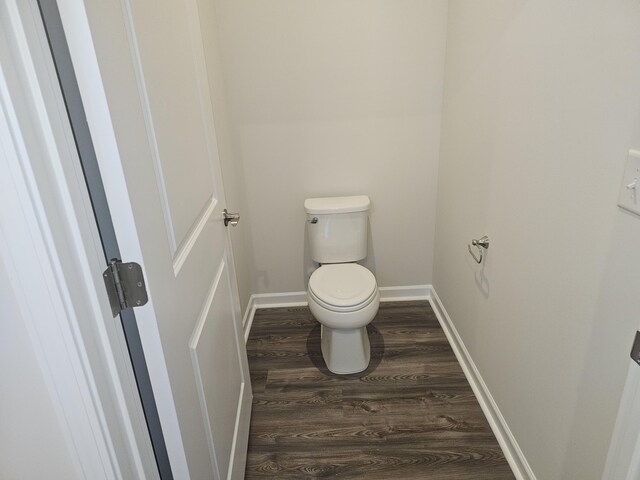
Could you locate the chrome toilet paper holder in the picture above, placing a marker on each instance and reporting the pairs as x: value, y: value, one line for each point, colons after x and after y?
x: 482, y: 244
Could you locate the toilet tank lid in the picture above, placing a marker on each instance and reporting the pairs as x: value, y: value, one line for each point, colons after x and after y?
x: 327, y: 205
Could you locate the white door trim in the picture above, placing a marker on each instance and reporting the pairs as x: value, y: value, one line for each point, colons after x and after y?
x: 50, y: 245
x: 78, y: 30
x: 623, y: 459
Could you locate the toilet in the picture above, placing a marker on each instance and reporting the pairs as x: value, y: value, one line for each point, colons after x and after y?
x: 343, y: 295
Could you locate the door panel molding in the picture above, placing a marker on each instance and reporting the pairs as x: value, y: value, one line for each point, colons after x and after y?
x: 180, y: 244
x: 193, y: 236
x: 179, y: 278
x: 215, y: 332
x: 148, y: 118
x: 197, y: 368
x: 239, y: 447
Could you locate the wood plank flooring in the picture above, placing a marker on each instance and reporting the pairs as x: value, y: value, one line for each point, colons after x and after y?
x: 410, y: 415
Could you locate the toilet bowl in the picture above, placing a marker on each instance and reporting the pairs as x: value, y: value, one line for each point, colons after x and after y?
x: 344, y: 298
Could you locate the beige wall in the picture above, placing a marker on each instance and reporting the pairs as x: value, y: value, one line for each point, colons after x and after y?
x: 542, y: 102
x: 334, y: 97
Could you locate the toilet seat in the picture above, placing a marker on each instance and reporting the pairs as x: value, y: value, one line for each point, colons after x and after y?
x: 333, y: 308
x: 343, y: 287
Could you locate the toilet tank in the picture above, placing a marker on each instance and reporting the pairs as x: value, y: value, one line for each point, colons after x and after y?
x: 337, y: 228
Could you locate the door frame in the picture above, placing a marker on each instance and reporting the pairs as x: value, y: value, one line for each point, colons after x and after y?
x: 51, y: 248
x: 623, y: 459
x: 75, y: 108
x: 84, y: 57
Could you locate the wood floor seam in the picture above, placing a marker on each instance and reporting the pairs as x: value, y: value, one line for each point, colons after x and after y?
x: 410, y: 415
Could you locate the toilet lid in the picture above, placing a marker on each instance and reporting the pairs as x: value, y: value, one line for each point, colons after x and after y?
x: 342, y: 284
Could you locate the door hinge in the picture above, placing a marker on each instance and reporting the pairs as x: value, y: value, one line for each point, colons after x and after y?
x: 635, y: 350
x: 125, y: 286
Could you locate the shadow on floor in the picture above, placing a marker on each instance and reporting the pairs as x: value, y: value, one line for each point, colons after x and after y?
x: 315, y: 353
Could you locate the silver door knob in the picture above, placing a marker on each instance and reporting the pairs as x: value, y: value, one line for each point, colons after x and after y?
x: 231, y: 218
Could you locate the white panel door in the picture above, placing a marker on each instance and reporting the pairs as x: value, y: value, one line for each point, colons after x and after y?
x: 142, y: 76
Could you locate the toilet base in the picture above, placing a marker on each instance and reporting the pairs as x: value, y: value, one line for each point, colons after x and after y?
x: 345, y: 351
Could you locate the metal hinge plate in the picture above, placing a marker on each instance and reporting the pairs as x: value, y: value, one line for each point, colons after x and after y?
x: 125, y: 286
x: 635, y: 350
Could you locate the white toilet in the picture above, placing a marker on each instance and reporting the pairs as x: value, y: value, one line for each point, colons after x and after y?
x: 343, y: 296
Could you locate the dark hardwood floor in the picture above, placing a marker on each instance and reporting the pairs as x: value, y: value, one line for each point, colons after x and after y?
x: 410, y: 415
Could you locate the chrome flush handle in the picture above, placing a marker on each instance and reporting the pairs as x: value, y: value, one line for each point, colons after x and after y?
x: 231, y: 218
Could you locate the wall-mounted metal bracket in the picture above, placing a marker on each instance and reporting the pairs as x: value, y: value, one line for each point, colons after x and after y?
x: 481, y: 244
x: 125, y: 286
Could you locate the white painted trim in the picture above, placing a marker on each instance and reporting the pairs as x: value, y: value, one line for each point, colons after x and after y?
x: 270, y: 300
x: 241, y: 417
x: 180, y: 248
x: 507, y: 441
x: 25, y: 249
x: 151, y: 131
x: 82, y: 48
x: 190, y: 240
x: 238, y: 455
x: 193, y: 347
x: 623, y: 458
x: 405, y: 293
x: 299, y: 299
x: 247, y: 320
x: 275, y: 300
x: 52, y: 236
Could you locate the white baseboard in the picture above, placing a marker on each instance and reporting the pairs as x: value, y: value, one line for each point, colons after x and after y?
x: 270, y: 300
x: 275, y: 300
x: 405, y: 293
x: 507, y: 441
x: 247, y: 320
x: 299, y: 299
